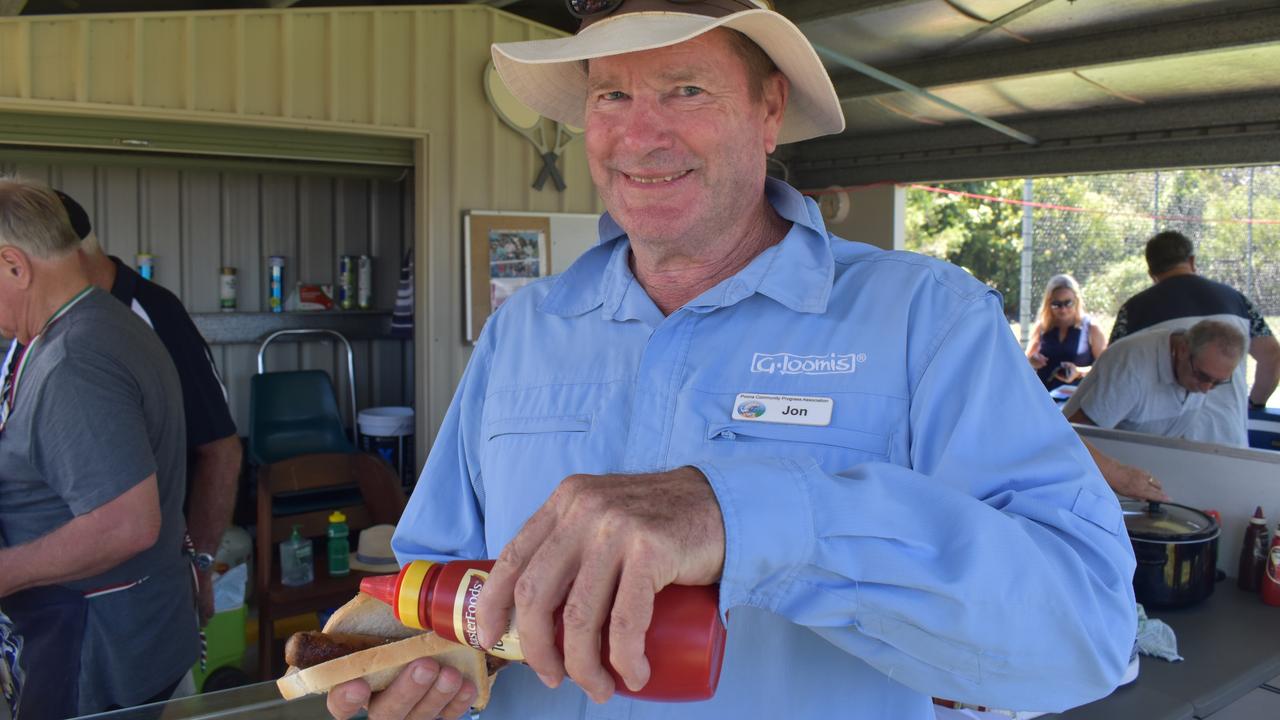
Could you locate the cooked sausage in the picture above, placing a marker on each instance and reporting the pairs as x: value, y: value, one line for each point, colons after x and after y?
x: 309, y: 648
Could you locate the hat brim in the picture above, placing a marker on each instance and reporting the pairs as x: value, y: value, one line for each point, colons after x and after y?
x: 550, y: 77
x: 390, y: 566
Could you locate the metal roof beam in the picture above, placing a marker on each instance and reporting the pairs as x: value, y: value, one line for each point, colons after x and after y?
x: 1176, y: 39
x: 1241, y: 129
x: 802, y: 11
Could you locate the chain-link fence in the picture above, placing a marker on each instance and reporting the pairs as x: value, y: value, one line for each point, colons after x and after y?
x: 1095, y: 227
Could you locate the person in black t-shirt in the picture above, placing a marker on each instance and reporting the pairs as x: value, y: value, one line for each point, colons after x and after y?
x: 1179, y: 292
x: 213, y: 445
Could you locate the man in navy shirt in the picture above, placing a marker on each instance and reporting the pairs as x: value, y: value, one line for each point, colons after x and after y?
x: 213, y: 446
x: 1180, y: 292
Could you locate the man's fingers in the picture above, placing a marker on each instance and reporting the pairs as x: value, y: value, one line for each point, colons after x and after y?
x: 498, y: 597
x: 403, y: 696
x: 347, y: 699
x: 632, y: 612
x: 539, y: 592
x: 585, y: 611
x: 445, y: 688
x: 461, y: 702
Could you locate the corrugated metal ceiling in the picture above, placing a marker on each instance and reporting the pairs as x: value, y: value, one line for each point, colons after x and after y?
x: 1015, y: 61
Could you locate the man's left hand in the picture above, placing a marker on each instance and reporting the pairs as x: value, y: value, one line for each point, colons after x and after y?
x: 602, y: 546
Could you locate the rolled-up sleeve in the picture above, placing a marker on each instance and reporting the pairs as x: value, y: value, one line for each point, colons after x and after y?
x: 994, y: 569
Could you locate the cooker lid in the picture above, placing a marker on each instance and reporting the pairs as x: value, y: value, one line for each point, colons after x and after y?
x: 1167, y: 522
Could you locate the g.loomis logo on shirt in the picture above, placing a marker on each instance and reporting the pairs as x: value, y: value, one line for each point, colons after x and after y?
x: 788, y: 364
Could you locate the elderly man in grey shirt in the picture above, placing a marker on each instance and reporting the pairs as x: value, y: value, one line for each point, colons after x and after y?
x: 1156, y: 382
x: 92, y: 476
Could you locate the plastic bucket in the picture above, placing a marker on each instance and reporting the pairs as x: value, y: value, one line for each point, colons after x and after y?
x: 388, y: 433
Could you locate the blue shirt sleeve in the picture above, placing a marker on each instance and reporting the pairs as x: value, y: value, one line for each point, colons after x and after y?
x: 447, y: 523
x: 994, y: 570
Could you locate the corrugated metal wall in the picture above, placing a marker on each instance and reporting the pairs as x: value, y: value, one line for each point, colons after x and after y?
x: 413, y: 72
x: 196, y: 221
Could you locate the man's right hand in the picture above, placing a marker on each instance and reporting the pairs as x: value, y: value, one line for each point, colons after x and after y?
x: 1135, y: 483
x: 422, y: 690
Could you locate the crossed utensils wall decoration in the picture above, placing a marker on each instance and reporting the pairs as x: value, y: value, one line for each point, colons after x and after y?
x: 530, y: 125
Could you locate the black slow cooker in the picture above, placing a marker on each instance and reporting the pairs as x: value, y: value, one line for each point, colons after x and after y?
x: 1177, y: 552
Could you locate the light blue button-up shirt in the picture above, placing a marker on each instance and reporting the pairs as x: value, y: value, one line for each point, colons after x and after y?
x: 945, y: 534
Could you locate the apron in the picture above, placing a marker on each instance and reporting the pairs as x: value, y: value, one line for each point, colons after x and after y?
x: 51, y: 621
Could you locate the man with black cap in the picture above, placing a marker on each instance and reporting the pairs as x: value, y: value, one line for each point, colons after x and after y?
x: 848, y: 442
x: 213, y: 446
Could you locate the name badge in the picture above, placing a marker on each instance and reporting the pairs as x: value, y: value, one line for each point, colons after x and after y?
x: 785, y: 409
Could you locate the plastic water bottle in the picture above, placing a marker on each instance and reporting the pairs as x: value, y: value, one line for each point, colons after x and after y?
x: 339, y: 546
x: 295, y: 560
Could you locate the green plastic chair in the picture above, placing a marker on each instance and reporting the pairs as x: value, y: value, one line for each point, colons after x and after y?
x: 294, y: 413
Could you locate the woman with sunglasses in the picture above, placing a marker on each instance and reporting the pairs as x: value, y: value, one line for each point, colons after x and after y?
x: 1063, y: 339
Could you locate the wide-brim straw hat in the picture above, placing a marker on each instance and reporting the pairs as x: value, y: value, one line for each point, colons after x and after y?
x: 550, y: 76
x: 373, y: 552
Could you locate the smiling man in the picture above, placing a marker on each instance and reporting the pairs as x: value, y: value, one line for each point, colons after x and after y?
x: 919, y: 522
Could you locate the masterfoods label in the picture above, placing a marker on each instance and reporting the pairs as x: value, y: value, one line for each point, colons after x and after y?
x: 467, y: 630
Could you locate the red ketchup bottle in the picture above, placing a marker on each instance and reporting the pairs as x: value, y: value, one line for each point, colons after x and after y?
x: 1271, y: 576
x: 1253, y: 553
x: 684, y: 643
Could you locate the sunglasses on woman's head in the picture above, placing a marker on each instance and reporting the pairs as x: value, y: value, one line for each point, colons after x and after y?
x: 583, y: 9
x: 1067, y: 304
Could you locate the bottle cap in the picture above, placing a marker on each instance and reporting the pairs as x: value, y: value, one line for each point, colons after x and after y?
x: 336, y: 517
x: 380, y: 587
x: 401, y: 591
x: 296, y: 535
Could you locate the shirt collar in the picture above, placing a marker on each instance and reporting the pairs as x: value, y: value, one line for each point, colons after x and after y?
x: 797, y: 272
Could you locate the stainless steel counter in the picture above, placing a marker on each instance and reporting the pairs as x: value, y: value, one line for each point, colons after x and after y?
x: 1231, y: 643
x: 261, y: 701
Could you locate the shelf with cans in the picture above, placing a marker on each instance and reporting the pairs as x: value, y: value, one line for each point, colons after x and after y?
x: 344, y: 306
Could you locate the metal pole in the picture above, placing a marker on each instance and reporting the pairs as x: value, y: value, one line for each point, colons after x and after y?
x: 1248, y: 244
x: 1024, y: 300
x: 1155, y: 213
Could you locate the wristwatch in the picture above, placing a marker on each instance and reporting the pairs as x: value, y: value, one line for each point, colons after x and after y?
x: 203, y: 561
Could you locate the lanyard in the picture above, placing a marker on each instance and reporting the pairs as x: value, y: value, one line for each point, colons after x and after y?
x: 22, y: 357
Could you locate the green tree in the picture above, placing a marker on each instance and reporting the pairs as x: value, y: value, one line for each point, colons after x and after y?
x: 981, y: 236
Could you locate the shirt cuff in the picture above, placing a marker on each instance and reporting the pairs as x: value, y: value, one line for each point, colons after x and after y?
x: 768, y: 527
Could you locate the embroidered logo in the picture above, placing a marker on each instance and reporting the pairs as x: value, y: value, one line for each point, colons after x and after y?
x: 788, y: 364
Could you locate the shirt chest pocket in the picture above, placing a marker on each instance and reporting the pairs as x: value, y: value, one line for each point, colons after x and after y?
x: 834, y: 448
x: 540, y: 435
x: 518, y: 427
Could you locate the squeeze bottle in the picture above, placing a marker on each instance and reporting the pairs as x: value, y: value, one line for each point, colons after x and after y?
x: 684, y: 643
x: 339, y: 546
x: 1271, y: 576
x: 1253, y: 553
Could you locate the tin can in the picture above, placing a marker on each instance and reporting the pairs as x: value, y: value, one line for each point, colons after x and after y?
x: 276, y: 299
x: 227, y: 285
x: 364, y: 283
x: 347, y: 282
x: 147, y: 265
